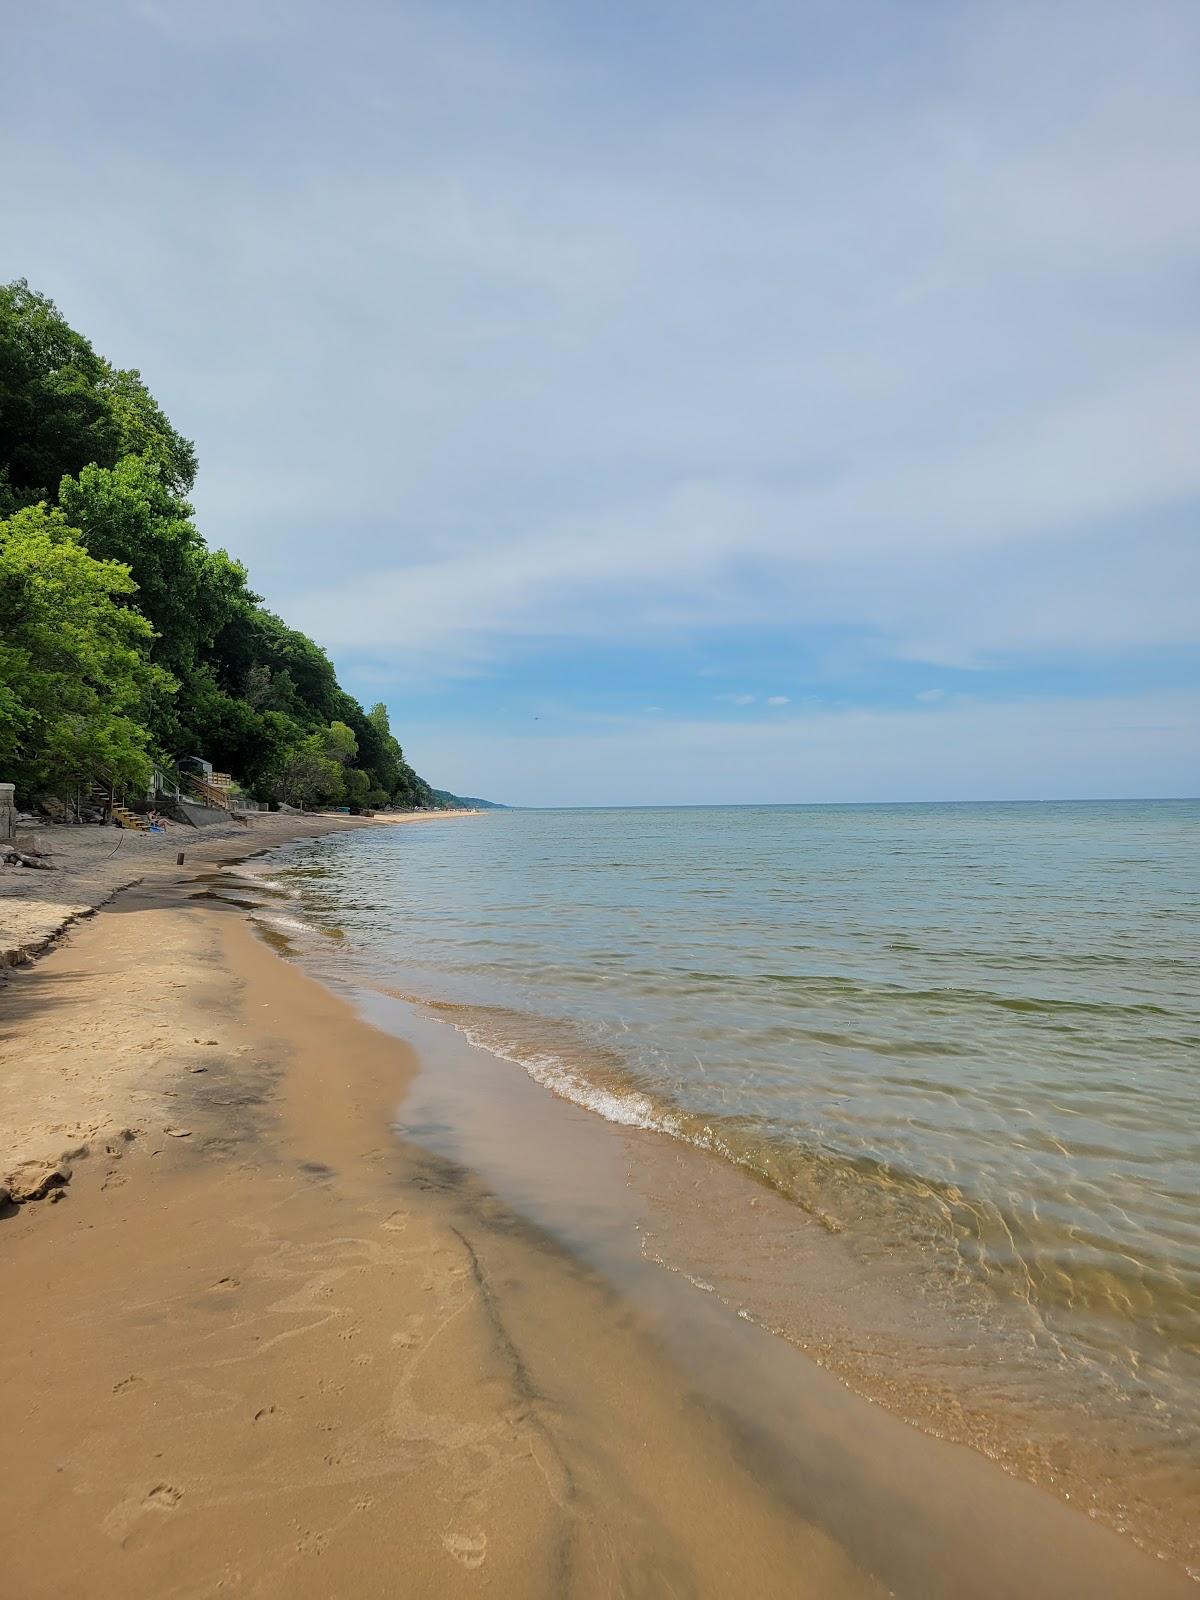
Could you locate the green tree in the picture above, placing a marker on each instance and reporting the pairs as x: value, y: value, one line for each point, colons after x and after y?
x: 143, y: 429
x: 54, y: 415
x: 189, y: 593
x: 75, y: 678
x: 356, y: 787
x: 306, y: 774
x: 272, y: 691
x: 384, y: 760
x: 255, y: 637
x: 340, y: 744
x: 63, y: 407
x: 127, y: 513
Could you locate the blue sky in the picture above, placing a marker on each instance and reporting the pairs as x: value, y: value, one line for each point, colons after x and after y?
x: 669, y: 402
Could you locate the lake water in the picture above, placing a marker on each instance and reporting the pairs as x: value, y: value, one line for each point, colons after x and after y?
x: 944, y: 1060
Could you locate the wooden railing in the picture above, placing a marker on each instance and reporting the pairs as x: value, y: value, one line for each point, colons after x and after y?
x: 211, y: 794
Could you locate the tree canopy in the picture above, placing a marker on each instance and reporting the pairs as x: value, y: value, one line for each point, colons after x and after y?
x: 76, y: 680
x: 124, y: 639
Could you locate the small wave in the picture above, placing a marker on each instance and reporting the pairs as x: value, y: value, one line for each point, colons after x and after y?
x: 273, y: 886
x: 962, y: 1235
x: 259, y: 878
x: 631, y: 1107
x: 276, y: 919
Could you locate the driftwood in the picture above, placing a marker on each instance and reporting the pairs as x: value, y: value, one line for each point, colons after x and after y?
x: 12, y: 857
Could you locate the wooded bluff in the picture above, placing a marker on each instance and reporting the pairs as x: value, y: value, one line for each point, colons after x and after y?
x: 126, y: 644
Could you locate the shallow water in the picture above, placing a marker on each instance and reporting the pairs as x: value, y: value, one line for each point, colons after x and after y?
x: 956, y: 1046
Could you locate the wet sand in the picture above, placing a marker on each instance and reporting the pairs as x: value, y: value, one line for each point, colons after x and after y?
x: 282, y: 1351
x: 92, y: 864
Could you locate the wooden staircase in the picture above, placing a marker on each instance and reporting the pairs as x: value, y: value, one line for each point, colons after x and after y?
x: 124, y: 818
x: 102, y: 796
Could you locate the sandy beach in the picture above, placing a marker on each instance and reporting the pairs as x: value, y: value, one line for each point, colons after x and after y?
x: 42, y: 1113
x: 264, y: 1346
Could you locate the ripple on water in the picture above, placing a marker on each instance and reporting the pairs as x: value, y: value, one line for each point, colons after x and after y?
x: 961, y: 1040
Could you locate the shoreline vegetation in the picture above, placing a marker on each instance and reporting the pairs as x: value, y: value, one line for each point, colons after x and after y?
x: 127, y: 645
x: 268, y: 1347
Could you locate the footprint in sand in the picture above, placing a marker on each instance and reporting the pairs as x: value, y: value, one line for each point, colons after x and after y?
x: 469, y: 1549
x: 124, y: 1517
x: 163, y: 1497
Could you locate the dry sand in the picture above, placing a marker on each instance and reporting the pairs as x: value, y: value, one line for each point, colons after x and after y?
x: 263, y: 1348
x: 52, y: 1099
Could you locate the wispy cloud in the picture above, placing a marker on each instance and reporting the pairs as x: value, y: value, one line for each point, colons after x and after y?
x: 857, y: 322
